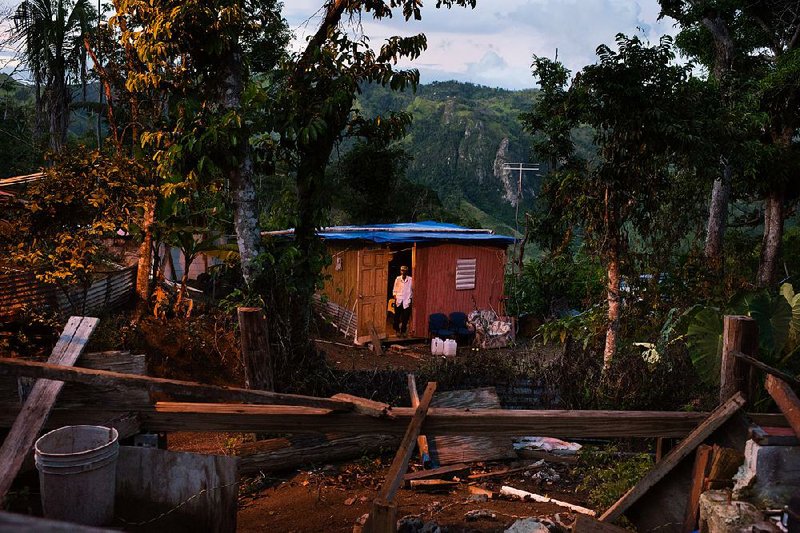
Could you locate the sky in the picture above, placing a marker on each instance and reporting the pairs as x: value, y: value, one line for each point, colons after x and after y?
x: 494, y: 43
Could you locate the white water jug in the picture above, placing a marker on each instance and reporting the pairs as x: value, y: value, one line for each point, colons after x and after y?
x: 450, y: 348
x: 437, y: 346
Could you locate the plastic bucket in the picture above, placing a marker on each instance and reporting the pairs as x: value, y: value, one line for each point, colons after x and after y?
x: 77, y: 473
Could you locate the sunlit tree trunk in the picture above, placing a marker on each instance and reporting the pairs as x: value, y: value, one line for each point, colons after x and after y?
x: 614, y: 305
x: 717, y: 218
x: 146, y: 251
x: 773, y: 234
x: 245, y: 215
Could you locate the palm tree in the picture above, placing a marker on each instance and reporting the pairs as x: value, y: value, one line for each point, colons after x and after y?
x: 51, y: 34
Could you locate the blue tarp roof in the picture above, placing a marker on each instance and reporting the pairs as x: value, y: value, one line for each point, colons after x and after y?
x: 427, y: 231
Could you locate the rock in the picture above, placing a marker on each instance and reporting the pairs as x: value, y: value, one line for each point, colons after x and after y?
x: 349, y: 501
x: 528, y: 525
x: 720, y: 514
x: 479, y: 514
x: 430, y: 527
x: 480, y: 498
x: 410, y: 524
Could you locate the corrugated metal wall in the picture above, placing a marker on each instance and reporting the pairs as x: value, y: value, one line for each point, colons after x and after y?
x: 20, y: 290
x: 435, y: 281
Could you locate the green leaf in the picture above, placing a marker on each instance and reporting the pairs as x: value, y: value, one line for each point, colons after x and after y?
x: 704, y: 340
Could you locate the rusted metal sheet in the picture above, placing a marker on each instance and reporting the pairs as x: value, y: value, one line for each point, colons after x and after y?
x: 21, y: 290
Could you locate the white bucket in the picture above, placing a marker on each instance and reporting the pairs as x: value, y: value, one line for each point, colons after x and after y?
x: 437, y: 346
x: 77, y: 473
x: 450, y: 348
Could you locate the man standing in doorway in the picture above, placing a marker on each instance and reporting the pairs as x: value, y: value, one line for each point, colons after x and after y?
x: 403, y: 293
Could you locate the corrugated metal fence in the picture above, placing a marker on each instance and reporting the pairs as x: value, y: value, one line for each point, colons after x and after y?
x: 20, y: 290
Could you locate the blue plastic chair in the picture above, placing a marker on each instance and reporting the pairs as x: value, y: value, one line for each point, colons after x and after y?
x: 438, y: 326
x: 458, y: 324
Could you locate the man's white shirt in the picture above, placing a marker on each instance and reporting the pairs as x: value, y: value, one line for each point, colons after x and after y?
x: 403, y: 291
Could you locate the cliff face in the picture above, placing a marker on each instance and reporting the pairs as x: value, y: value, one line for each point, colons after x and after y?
x: 461, y: 139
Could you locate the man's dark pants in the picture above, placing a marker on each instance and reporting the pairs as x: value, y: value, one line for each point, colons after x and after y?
x: 401, y: 316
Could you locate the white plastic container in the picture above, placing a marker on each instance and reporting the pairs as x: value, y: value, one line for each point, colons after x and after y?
x: 450, y: 348
x: 437, y: 346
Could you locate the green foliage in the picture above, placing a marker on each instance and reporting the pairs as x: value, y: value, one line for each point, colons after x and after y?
x: 606, y: 475
x: 554, y: 284
x: 584, y: 327
x: 778, y: 319
x: 62, y: 228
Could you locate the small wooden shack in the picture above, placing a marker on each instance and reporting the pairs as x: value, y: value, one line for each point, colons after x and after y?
x: 453, y: 268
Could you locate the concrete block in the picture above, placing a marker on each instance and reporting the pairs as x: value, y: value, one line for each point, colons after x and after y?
x: 720, y: 514
x: 769, y: 476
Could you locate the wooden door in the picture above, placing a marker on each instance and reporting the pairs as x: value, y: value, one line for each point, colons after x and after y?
x: 372, y: 272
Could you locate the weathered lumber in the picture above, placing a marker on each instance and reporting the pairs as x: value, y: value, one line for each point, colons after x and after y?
x: 701, y: 466
x: 201, y: 490
x: 504, y: 472
x: 445, y: 472
x: 255, y: 348
x: 173, y: 416
x: 376, y: 340
x: 273, y: 455
x: 787, y: 401
x: 20, y: 523
x: 383, y: 518
x: 684, y: 448
x: 365, y: 406
x: 422, y: 440
x: 587, y: 524
x: 739, y: 334
x: 31, y: 419
x: 173, y: 387
x: 752, y: 361
x: 525, y: 495
x: 394, y: 477
x: 432, y: 485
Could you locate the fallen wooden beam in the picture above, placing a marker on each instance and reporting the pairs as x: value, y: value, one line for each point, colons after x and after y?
x: 525, y: 453
x: 445, y: 472
x: 365, y: 406
x: 433, y: 485
x: 717, y: 417
x: 787, y: 401
x: 173, y: 416
x: 273, y: 455
x: 702, y: 463
x: 422, y: 440
x: 173, y: 387
x: 525, y: 495
x: 752, y: 361
x: 504, y: 472
x: 383, y: 518
x: 31, y: 419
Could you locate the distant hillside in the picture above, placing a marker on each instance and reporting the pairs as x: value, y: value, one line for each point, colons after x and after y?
x: 461, y: 137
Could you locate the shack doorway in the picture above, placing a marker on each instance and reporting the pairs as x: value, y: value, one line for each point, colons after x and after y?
x: 371, y: 298
x: 400, y: 256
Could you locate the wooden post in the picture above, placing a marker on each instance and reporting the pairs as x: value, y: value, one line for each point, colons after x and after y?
x: 255, y: 348
x: 739, y: 334
x: 787, y: 401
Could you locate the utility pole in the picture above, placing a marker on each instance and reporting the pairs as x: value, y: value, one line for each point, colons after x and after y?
x: 520, y: 168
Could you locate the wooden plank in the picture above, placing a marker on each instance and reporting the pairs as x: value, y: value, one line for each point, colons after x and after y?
x: 173, y: 387
x: 739, y: 334
x: 281, y: 454
x: 469, y: 449
x: 525, y: 495
x: 504, y: 472
x: 376, y: 340
x: 19, y: 523
x: 255, y: 348
x: 787, y: 401
x: 699, y: 473
x: 422, y: 440
x: 202, y: 489
x: 444, y: 472
x: 31, y: 419
x: 394, y: 477
x: 771, y: 436
x: 752, y: 361
x: 366, y: 407
x: 587, y: 524
x: 684, y: 448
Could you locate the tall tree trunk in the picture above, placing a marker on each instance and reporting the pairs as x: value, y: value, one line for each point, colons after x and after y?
x: 720, y: 193
x: 146, y: 251
x: 773, y: 234
x: 245, y: 215
x: 614, y: 306
x: 717, y: 218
